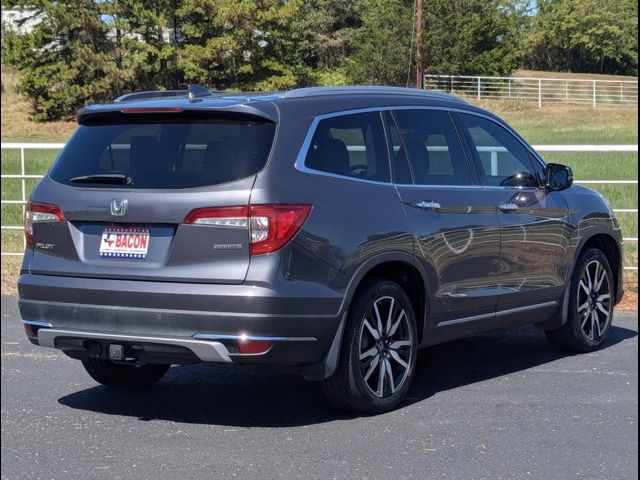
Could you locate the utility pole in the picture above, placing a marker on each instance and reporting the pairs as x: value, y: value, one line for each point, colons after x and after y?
x: 419, y: 27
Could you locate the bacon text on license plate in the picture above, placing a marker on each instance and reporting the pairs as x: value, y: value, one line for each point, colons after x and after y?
x: 124, y: 242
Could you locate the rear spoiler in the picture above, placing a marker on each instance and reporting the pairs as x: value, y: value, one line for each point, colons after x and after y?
x: 119, y: 112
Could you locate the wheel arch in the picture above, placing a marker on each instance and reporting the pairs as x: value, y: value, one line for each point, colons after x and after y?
x: 400, y: 268
x: 612, y: 249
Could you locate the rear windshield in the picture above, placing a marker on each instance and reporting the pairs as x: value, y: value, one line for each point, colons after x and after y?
x: 163, y: 151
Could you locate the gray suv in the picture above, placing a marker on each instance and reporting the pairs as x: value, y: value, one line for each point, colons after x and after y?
x: 330, y: 232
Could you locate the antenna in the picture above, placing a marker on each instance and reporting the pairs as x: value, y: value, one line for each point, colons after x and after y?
x: 197, y: 92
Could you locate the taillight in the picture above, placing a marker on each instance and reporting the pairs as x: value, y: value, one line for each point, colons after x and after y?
x: 271, y: 226
x: 37, y: 213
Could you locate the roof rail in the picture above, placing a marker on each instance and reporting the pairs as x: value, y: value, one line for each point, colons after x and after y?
x: 193, y: 92
x: 370, y: 90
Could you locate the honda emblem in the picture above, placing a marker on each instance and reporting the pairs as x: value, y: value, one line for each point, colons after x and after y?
x: 119, y: 206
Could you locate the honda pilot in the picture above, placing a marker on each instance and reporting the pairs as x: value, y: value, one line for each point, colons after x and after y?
x: 329, y: 232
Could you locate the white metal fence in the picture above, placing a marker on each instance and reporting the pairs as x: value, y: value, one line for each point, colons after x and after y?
x: 539, y: 90
x: 23, y: 177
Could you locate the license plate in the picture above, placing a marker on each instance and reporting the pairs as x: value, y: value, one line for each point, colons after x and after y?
x: 124, y: 242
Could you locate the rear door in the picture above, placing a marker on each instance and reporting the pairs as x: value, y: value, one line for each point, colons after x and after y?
x: 534, y: 221
x: 456, y: 229
x: 126, y: 183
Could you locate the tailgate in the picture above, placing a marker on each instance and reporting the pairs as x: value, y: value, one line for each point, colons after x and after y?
x: 125, y: 186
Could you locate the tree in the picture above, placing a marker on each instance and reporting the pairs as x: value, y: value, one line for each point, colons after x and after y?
x: 145, y: 36
x: 86, y: 51
x: 240, y: 43
x: 467, y: 37
x: 461, y: 37
x: 65, y: 61
x: 326, y: 30
x: 585, y: 36
x: 382, y: 45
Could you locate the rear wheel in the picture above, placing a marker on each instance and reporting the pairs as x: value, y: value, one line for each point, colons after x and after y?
x: 118, y: 375
x: 378, y: 353
x: 590, y: 305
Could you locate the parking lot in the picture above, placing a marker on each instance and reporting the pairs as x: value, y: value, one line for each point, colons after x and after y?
x: 502, y: 405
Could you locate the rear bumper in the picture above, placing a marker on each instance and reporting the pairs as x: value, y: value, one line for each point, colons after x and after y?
x: 202, y: 350
x: 206, y: 320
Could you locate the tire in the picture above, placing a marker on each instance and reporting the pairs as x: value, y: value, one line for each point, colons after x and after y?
x: 590, y: 305
x: 356, y: 384
x: 118, y: 375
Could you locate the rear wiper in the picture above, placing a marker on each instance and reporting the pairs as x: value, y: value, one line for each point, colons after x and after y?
x: 106, y: 178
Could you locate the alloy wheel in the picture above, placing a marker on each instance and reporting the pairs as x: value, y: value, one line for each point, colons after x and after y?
x: 385, y: 347
x: 594, y: 300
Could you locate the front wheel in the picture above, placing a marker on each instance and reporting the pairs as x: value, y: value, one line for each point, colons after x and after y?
x: 590, y: 305
x: 378, y: 353
x: 117, y: 375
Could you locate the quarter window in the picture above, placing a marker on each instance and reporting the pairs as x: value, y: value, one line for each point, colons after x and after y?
x: 431, y: 145
x: 502, y: 159
x: 351, y: 146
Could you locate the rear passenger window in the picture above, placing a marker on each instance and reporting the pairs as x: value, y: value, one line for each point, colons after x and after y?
x: 351, y: 146
x: 432, y: 148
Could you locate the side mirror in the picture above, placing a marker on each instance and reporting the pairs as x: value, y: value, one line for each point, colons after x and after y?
x: 558, y: 177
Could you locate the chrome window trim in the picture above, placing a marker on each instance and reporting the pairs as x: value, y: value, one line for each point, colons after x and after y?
x: 304, y: 149
x: 439, y: 186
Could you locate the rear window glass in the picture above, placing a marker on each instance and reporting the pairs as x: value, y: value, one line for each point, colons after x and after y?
x: 164, y: 151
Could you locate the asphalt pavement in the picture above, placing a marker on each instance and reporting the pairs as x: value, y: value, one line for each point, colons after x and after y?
x: 501, y: 405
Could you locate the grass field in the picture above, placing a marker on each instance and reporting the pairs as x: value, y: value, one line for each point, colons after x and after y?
x: 556, y: 124
x: 571, y: 76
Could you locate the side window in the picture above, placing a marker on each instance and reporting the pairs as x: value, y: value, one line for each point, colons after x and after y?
x: 351, y: 146
x: 503, y: 160
x: 432, y: 147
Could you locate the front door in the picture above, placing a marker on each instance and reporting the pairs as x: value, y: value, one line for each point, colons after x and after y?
x: 534, y: 228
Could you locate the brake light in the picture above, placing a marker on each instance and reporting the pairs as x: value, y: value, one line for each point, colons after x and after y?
x: 270, y: 226
x: 37, y: 213
x: 151, y: 109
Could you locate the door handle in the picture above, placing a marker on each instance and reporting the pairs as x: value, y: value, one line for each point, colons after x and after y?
x: 428, y: 205
x: 508, y: 206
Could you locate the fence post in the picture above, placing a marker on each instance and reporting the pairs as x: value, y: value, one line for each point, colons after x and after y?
x: 494, y: 163
x: 539, y: 93
x: 509, y: 87
x: 24, y: 191
x: 478, y: 88
x: 621, y: 97
x: 566, y: 91
x: 594, y: 93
